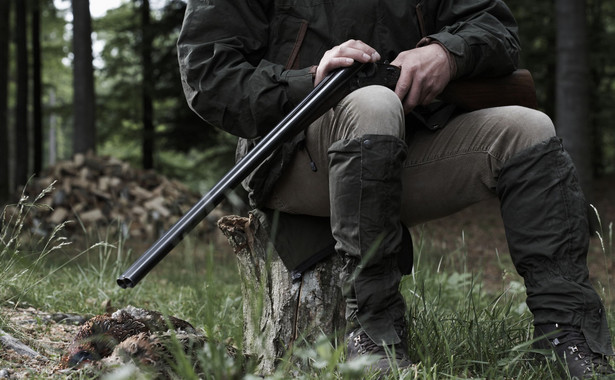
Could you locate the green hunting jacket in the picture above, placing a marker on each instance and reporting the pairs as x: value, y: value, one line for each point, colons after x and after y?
x: 246, y: 63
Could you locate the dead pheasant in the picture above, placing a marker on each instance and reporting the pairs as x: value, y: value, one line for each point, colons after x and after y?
x: 132, y: 330
x: 152, y: 353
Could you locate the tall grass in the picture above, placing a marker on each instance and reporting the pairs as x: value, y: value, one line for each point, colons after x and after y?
x: 605, y: 237
x: 459, y: 329
x: 20, y: 263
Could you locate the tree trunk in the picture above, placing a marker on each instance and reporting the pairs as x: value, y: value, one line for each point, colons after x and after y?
x: 147, y: 86
x: 52, y: 141
x: 37, y: 107
x: 599, y: 16
x: 572, y: 76
x: 84, y: 137
x: 5, y: 10
x: 280, y: 311
x: 22, y: 143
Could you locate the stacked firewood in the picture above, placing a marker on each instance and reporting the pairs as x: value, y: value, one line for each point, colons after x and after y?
x: 93, y: 192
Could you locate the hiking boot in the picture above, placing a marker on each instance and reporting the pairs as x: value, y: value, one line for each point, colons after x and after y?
x: 572, y: 350
x: 359, y: 344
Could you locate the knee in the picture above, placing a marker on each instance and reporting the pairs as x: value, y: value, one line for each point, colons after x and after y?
x: 523, y: 128
x: 373, y: 110
x: 375, y: 99
x: 538, y: 127
x: 530, y: 125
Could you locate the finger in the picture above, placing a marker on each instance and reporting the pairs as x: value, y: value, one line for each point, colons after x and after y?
x: 343, y: 56
x: 412, y: 98
x: 357, y: 54
x: 361, y: 47
x: 430, y: 88
x: 333, y: 63
x: 402, y: 87
x: 420, y: 92
x: 329, y: 65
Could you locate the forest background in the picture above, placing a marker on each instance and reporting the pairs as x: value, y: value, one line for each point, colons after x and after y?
x: 72, y: 83
x: 73, y: 79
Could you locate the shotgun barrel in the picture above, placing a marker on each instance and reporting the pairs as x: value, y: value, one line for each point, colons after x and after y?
x: 324, y: 96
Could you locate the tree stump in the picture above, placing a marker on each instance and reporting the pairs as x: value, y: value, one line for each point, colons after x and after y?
x: 280, y: 310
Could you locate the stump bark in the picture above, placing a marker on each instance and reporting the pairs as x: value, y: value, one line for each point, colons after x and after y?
x: 281, y: 311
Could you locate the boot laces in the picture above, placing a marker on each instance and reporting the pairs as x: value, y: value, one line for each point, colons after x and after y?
x: 573, y: 345
x: 362, y: 343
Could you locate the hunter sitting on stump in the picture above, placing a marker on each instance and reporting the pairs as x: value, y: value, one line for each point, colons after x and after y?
x: 385, y: 159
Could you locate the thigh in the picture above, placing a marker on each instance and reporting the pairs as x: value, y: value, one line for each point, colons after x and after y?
x: 458, y: 165
x: 369, y: 110
x: 446, y: 170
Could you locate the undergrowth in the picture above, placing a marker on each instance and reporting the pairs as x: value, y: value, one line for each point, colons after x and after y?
x: 458, y: 329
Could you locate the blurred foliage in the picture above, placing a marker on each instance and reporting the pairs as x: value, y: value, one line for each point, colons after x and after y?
x: 185, y: 143
x: 537, y: 34
x: 537, y: 27
x: 189, y: 149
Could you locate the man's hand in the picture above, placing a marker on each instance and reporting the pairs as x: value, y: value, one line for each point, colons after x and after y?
x: 425, y: 72
x: 344, y: 55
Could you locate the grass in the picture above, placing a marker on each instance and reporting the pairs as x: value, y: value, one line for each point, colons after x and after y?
x: 459, y: 329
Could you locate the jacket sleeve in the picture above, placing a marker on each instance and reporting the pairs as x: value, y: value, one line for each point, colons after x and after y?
x: 480, y: 34
x: 226, y: 80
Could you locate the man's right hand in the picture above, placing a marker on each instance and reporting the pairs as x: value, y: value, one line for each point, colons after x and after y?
x: 344, y: 55
x: 425, y: 72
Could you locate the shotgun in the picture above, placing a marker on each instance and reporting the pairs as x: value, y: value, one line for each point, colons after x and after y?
x: 325, y: 95
x: 517, y: 88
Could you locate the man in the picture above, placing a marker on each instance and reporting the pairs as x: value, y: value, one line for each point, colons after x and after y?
x: 382, y: 158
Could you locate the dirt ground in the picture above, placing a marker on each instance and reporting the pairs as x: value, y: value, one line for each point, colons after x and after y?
x: 47, y: 334
x: 471, y: 240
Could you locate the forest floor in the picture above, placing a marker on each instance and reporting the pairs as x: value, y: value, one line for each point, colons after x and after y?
x: 47, y: 335
x: 478, y: 233
x: 475, y: 237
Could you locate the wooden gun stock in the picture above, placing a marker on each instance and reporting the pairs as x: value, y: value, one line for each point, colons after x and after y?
x: 516, y: 88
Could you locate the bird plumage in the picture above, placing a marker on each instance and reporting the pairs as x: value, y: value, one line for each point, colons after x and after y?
x: 135, y: 329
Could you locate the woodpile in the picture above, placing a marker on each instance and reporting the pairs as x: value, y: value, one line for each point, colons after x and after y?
x: 91, y: 191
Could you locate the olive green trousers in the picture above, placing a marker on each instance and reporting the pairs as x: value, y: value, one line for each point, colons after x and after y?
x: 505, y: 152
